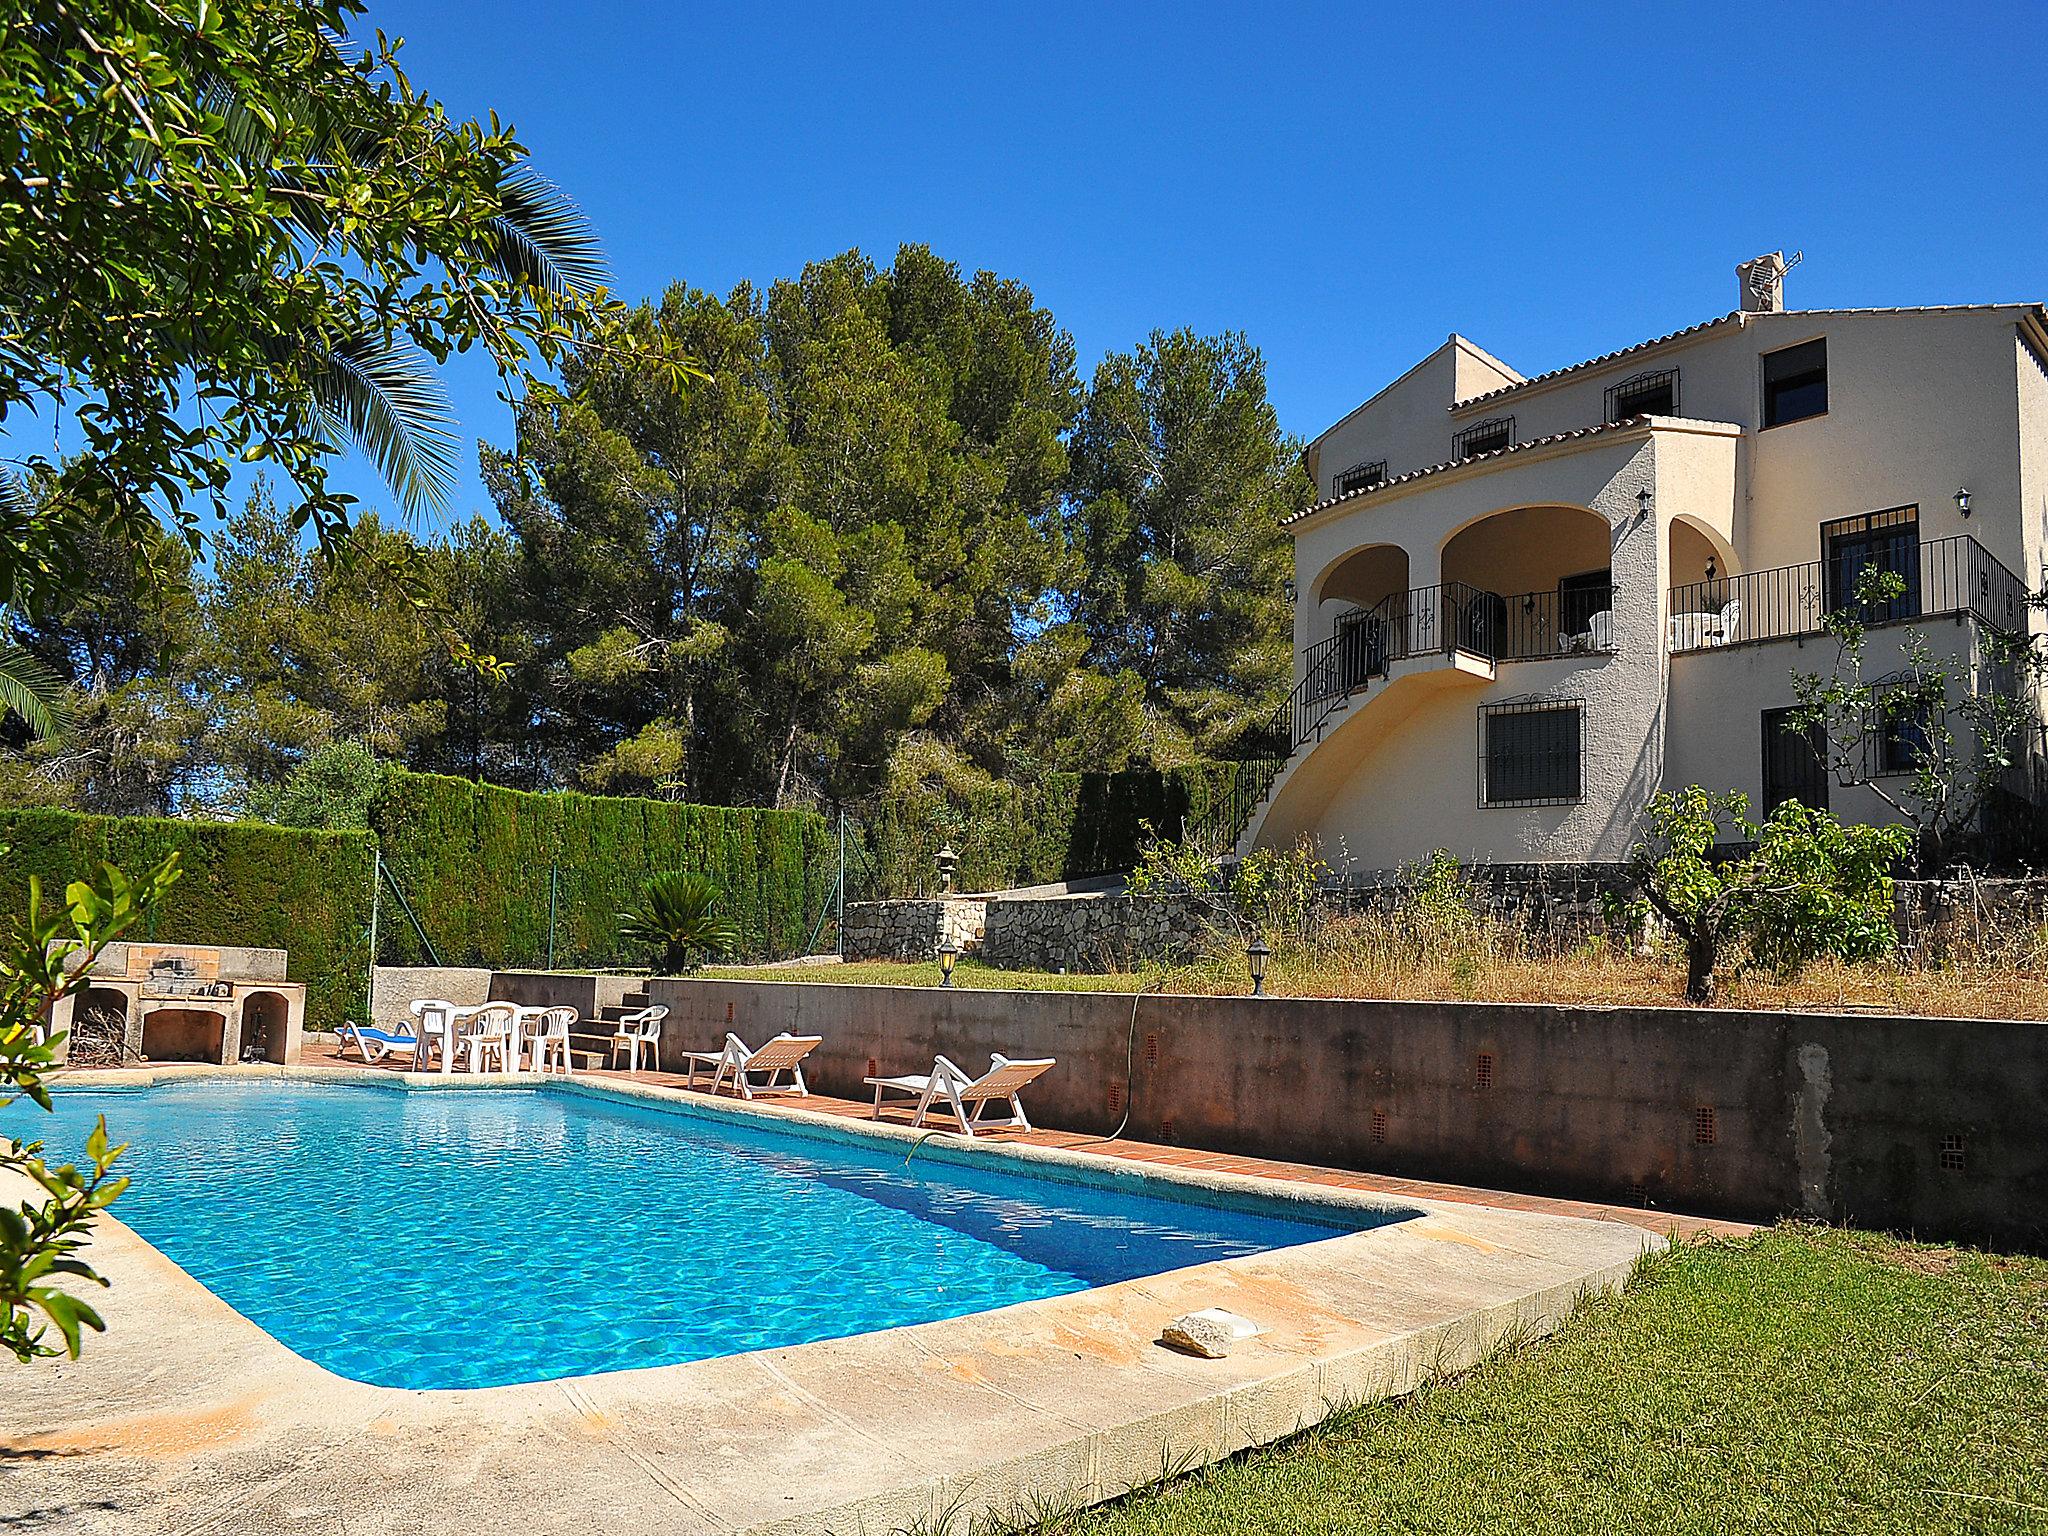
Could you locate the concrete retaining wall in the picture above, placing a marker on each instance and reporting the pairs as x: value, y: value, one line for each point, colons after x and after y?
x: 393, y: 988
x: 1932, y: 1125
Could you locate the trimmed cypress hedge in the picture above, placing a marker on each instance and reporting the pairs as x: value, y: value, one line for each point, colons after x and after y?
x: 1061, y: 826
x: 474, y: 861
x: 243, y: 883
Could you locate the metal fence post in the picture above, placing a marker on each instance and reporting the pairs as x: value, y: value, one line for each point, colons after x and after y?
x: 376, y: 891
x: 554, y: 884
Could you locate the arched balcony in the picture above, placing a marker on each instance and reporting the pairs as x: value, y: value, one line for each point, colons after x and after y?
x: 1539, y: 581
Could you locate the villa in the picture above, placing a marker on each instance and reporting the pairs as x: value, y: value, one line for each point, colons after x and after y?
x: 1525, y: 605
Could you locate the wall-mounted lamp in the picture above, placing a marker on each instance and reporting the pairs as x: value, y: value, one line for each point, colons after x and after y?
x: 1256, y: 957
x: 948, y: 953
x: 1645, y: 500
x: 1710, y: 567
x: 1963, y: 501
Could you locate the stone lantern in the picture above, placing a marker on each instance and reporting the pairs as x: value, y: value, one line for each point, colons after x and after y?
x: 947, y: 861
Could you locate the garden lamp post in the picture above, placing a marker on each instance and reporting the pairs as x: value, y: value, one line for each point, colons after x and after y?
x: 948, y: 953
x: 1257, y: 956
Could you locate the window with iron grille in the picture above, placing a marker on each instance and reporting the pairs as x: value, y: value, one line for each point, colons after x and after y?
x: 1796, y: 383
x: 1361, y: 477
x: 1484, y: 437
x: 1532, y: 752
x: 1873, y: 541
x: 1646, y: 394
x: 1901, y: 735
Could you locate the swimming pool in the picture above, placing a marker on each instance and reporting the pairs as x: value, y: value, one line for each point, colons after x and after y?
x: 473, y: 1238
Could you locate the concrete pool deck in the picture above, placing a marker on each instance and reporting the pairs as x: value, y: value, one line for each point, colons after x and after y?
x: 186, y: 1418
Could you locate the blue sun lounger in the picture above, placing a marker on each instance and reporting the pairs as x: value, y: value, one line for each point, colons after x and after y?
x: 375, y: 1044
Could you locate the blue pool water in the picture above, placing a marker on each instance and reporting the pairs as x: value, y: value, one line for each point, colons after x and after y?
x: 471, y: 1238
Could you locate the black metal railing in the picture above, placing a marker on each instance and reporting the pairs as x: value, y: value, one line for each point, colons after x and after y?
x: 1943, y: 578
x: 1544, y: 625
x: 1423, y: 621
x: 1451, y: 616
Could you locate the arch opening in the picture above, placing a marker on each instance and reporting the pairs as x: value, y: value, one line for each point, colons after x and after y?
x: 1542, y: 576
x: 264, y: 1024
x: 1366, y: 577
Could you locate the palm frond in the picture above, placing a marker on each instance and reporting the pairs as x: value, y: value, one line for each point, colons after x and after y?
x: 32, y: 690
x: 384, y: 399
x: 543, y: 238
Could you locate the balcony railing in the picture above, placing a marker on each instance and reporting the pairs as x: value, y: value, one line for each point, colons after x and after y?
x: 1944, y: 578
x: 1535, y: 626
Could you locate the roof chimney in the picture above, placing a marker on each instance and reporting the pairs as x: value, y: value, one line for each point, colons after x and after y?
x: 1763, y: 282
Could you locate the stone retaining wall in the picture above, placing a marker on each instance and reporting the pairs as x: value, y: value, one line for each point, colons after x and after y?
x: 1091, y: 933
x: 912, y: 930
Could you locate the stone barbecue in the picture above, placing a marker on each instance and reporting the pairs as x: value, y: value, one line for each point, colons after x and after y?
x: 187, y: 1002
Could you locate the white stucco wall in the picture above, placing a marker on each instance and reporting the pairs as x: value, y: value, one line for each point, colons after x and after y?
x: 1920, y: 403
x: 1408, y: 423
x: 1714, y: 733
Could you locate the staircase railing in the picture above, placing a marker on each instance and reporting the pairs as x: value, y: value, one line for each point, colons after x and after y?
x: 1422, y: 621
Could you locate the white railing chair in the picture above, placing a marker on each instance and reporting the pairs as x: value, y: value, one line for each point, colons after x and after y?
x: 633, y: 1031
x: 551, y: 1037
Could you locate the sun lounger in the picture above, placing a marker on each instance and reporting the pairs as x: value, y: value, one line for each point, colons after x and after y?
x: 375, y: 1044
x: 951, y: 1086
x: 785, y: 1053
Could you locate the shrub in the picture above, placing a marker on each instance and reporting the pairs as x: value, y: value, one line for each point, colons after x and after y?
x: 675, y: 920
x: 1809, y: 885
x: 267, y: 887
x: 475, y: 862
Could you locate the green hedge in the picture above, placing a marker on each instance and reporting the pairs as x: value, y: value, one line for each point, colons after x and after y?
x: 474, y: 861
x: 1061, y: 826
x: 243, y: 883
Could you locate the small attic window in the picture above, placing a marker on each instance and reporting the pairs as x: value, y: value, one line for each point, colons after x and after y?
x: 1484, y: 437
x: 1646, y: 394
x: 1361, y: 477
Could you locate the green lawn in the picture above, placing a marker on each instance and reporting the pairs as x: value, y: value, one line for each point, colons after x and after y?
x: 1800, y: 1381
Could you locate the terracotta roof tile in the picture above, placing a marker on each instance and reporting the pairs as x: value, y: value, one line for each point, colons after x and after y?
x: 1733, y: 316
x: 1436, y: 469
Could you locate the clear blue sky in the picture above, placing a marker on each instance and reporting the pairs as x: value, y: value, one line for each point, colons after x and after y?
x: 1345, y: 184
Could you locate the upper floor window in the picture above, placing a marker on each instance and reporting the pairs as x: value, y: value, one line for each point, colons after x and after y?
x: 1360, y: 477
x: 1647, y: 394
x: 1532, y: 753
x: 1796, y: 382
x: 1484, y: 437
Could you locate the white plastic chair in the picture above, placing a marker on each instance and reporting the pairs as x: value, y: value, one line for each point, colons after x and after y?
x: 485, y: 1034
x: 551, y: 1037
x: 951, y: 1085
x: 1726, y: 623
x: 432, y: 1021
x: 636, y: 1030
x: 783, y: 1054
